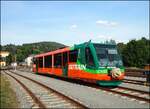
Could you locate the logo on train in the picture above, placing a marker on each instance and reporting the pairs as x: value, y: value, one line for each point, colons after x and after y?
x: 77, y: 67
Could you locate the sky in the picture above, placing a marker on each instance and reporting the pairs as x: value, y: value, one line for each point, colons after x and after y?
x: 73, y: 22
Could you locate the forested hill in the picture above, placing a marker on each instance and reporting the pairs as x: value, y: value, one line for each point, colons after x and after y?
x: 22, y: 51
x: 135, y: 53
x: 44, y: 46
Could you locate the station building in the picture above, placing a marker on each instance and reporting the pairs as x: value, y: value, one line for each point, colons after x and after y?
x: 3, y: 55
x: 28, y: 60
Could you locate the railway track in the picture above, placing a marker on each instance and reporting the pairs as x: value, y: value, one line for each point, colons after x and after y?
x: 123, y: 91
x: 43, y: 96
x: 138, y: 82
x: 127, y: 92
x: 132, y: 93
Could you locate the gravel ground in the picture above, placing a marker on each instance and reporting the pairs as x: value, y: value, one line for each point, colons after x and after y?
x: 135, y: 78
x: 91, y: 97
x: 21, y: 94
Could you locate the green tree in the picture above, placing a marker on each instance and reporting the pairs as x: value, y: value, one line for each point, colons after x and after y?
x: 121, y: 47
x: 136, y: 53
x: 9, y: 59
x: 23, y: 51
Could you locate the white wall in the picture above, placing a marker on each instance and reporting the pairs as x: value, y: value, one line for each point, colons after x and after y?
x: 28, y: 60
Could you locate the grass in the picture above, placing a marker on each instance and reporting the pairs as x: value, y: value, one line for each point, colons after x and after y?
x: 7, y: 95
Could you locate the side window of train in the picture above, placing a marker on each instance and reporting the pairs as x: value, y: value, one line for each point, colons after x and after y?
x: 58, y: 60
x: 65, y: 58
x: 48, y: 61
x: 89, y: 57
x: 73, y: 55
x: 40, y: 62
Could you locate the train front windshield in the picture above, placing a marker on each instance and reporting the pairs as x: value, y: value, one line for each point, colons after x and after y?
x: 108, y: 55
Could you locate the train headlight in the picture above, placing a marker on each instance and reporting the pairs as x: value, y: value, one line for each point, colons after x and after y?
x: 115, y: 73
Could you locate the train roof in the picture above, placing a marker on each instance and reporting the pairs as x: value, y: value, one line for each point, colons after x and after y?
x: 63, y: 49
x: 53, y: 52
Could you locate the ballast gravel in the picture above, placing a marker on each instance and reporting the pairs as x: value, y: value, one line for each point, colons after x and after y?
x: 91, y: 97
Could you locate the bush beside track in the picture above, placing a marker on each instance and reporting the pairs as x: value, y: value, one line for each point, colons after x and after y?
x: 8, y: 96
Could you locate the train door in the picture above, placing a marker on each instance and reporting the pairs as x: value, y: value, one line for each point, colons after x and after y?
x: 35, y: 65
x: 89, y: 58
x: 65, y: 64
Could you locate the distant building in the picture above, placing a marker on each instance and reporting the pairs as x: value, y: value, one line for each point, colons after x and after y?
x: 3, y: 55
x: 28, y: 60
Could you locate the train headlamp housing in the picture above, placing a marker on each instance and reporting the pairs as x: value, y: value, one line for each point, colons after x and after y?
x: 115, y: 73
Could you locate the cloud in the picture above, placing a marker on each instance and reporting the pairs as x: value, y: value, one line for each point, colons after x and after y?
x: 105, y: 37
x: 73, y: 26
x: 106, y: 23
x: 103, y: 22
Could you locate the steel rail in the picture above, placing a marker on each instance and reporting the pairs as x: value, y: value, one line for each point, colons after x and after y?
x: 36, y: 100
x: 140, y: 91
x: 134, y: 82
x: 128, y: 95
x: 75, y: 103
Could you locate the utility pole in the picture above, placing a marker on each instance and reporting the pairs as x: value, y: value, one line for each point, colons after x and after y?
x: 15, y: 64
x: 15, y: 58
